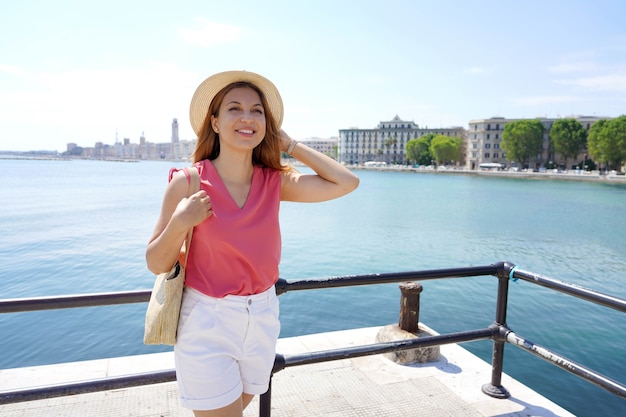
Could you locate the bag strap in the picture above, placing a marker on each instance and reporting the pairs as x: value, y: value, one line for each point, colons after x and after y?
x: 194, y: 187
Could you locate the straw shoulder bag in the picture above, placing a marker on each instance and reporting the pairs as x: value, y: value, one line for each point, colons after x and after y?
x: 166, y: 297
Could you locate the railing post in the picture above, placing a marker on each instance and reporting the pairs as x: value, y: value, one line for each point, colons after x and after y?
x: 410, y: 306
x: 265, y: 401
x: 495, y: 388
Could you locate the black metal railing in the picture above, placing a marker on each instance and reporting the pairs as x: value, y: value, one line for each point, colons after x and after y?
x: 498, y: 331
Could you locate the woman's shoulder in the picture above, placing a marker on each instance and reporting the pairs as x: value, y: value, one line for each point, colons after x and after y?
x: 205, y: 167
x: 183, y: 172
x: 268, y: 172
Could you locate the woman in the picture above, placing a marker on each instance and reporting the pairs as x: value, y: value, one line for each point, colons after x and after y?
x: 229, y: 324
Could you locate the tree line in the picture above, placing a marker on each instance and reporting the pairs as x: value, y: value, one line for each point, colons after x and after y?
x: 522, y: 140
x: 432, y: 148
x: 605, y: 142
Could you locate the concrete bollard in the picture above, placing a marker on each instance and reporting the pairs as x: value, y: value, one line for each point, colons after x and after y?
x: 410, y: 306
x: 409, y: 327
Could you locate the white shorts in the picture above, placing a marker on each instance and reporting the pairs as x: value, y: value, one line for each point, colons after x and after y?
x: 225, y: 347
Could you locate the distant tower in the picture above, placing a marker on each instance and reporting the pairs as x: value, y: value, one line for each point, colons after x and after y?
x: 175, y: 131
x: 142, y: 139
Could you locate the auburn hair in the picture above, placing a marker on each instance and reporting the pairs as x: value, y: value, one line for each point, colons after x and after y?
x: 267, y: 153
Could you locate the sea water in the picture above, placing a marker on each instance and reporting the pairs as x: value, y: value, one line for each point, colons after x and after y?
x: 76, y: 227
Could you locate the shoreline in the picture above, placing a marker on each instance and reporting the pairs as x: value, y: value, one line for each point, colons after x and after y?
x: 588, y: 176
x: 593, y: 176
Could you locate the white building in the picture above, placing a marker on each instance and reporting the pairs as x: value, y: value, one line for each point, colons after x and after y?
x: 385, y: 143
x: 325, y: 146
x: 175, y: 138
x: 484, y: 139
x: 183, y: 149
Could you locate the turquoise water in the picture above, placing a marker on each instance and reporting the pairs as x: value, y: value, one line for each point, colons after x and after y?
x: 81, y: 227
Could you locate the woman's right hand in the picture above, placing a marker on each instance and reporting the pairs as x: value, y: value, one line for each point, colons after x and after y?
x: 178, y: 214
x: 193, y: 210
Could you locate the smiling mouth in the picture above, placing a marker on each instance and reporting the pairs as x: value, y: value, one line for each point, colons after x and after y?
x: 246, y: 131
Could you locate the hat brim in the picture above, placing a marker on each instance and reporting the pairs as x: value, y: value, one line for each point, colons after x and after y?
x: 206, y: 91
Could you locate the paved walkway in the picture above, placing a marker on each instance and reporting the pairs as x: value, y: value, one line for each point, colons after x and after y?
x: 367, y: 386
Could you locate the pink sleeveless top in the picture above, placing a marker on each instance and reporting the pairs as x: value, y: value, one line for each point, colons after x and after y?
x: 236, y: 250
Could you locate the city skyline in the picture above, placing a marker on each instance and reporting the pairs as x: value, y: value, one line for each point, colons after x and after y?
x: 78, y: 73
x: 175, y: 139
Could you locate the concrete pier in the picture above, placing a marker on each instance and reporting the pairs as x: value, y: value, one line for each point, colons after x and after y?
x: 366, y: 386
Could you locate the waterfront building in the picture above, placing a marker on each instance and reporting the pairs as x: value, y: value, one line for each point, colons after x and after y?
x: 151, y: 151
x: 148, y: 151
x: 384, y: 143
x: 326, y: 146
x: 484, y: 141
x: 183, y: 149
x: 101, y: 150
x: 175, y: 138
x: 179, y: 149
x: 387, y: 142
x: 176, y: 149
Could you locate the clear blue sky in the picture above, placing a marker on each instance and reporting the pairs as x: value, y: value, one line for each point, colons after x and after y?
x: 80, y: 71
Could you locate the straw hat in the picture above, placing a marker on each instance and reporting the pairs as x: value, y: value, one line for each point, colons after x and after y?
x: 207, y: 90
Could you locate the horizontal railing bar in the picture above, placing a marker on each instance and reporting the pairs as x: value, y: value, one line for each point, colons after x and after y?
x: 140, y: 296
x: 383, y: 347
x: 85, y: 387
x: 128, y: 381
x: 384, y: 278
x: 282, y: 286
x: 73, y: 301
x: 572, y: 367
x: 571, y: 289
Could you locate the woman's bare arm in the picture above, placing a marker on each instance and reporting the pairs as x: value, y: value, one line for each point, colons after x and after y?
x: 178, y: 214
x: 331, y: 179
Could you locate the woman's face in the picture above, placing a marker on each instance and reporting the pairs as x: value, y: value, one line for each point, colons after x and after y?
x: 241, y: 119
